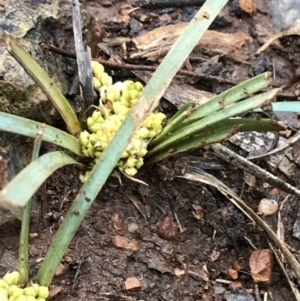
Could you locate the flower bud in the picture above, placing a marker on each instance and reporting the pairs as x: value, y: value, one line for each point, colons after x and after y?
x: 21, y: 298
x: 17, y: 292
x: 124, y: 101
x: 95, y: 127
x: 133, y: 94
x: 138, y: 86
x: 152, y: 134
x: 96, y: 83
x: 3, y: 284
x: 12, y: 278
x: 129, y: 84
x: 131, y: 161
x: 98, y: 71
x: 43, y: 292
x: 142, y: 133
x: 124, y: 155
x: 160, y: 116
x: 139, y: 163
x: 3, y: 292
x: 120, y: 109
x: 106, y: 80
x: 30, y: 291
x: 130, y: 171
x: 96, y: 65
x: 11, y: 289
x: 143, y: 151
x: 84, y: 138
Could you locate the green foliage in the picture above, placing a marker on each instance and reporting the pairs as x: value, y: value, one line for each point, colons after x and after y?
x: 123, y: 126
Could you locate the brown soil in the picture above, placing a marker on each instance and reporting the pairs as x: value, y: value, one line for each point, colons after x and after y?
x: 194, y: 264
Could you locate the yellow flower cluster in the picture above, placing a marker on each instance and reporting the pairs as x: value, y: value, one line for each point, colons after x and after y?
x: 115, y: 102
x: 9, y: 290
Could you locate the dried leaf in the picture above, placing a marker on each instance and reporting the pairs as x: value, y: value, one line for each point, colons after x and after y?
x: 248, y: 6
x: 261, y: 265
x: 132, y: 284
x: 122, y: 242
x: 168, y: 229
x: 234, y: 274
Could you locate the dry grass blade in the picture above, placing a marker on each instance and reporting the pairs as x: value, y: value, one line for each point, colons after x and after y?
x: 295, y: 290
x: 198, y: 175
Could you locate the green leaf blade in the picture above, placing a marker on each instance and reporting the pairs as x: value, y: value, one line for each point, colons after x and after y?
x: 18, y: 191
x: 230, y: 111
x: 44, y: 81
x: 216, y: 133
x: 148, y: 101
x: 232, y: 95
x: 26, y: 127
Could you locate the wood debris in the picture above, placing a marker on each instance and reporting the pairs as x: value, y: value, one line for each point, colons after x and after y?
x: 155, y: 44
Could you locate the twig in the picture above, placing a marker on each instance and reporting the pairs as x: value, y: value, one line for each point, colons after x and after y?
x: 114, y: 65
x: 83, y: 58
x: 81, y: 261
x: 238, y: 161
x: 256, y: 293
x: 170, y: 3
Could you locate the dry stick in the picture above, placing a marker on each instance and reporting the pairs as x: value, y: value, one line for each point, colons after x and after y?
x: 170, y: 3
x: 238, y: 161
x: 114, y: 65
x: 83, y: 58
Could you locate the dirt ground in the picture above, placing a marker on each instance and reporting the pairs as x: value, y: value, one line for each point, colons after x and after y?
x: 188, y: 259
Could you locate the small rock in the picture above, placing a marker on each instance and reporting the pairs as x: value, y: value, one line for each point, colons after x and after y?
x: 55, y: 291
x: 117, y: 221
x: 207, y: 297
x: 188, y: 14
x: 234, y: 274
x: 132, y: 227
x: 198, y: 212
x: 248, y: 6
x: 261, y: 265
x: 267, y: 207
x: 239, y: 295
x: 135, y: 26
x: 106, y: 3
x: 122, y: 242
x: 219, y: 289
x: 296, y: 227
x: 235, y: 286
x: 132, y: 284
x: 179, y: 272
x: 168, y: 229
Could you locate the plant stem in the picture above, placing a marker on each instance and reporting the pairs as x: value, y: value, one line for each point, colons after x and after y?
x: 24, y: 236
x: 145, y: 105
